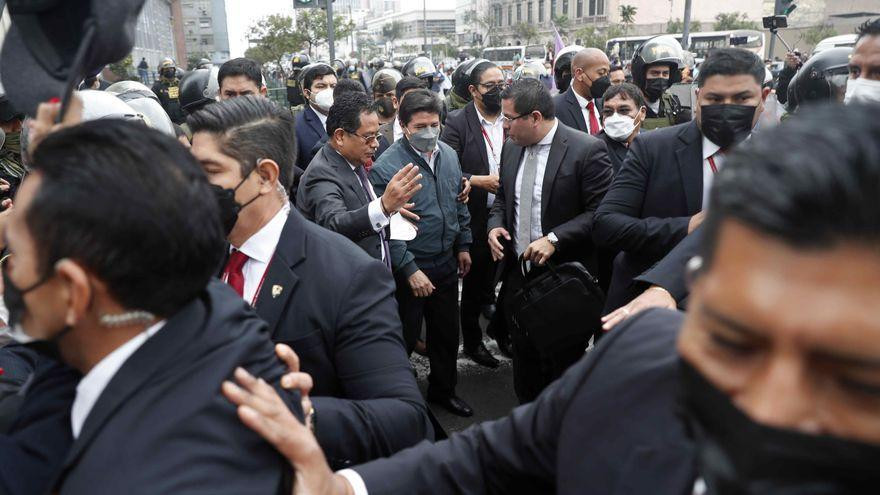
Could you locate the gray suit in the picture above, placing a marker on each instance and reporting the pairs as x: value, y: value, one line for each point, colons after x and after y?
x: 331, y: 195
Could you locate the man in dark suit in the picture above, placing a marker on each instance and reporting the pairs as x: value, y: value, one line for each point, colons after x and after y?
x: 658, y: 196
x: 476, y: 133
x: 318, y: 81
x: 152, y: 354
x: 723, y: 400
x: 580, y: 106
x: 335, y: 192
x: 552, y: 180
x: 319, y: 292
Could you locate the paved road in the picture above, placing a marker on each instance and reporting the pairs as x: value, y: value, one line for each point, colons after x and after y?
x: 489, y: 392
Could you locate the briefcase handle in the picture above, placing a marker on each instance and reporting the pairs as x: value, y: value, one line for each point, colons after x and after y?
x: 525, y: 271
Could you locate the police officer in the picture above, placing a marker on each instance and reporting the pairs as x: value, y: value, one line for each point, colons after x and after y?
x: 294, y: 90
x: 656, y: 65
x: 533, y: 69
x: 822, y: 78
x: 167, y: 88
x: 11, y: 168
x: 562, y: 66
x: 423, y: 68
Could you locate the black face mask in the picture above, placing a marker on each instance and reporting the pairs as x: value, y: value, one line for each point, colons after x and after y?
x: 385, y: 107
x: 492, y: 100
x: 229, y: 208
x: 599, y: 86
x: 14, y: 299
x: 563, y: 81
x: 737, y: 456
x: 168, y: 73
x: 655, y: 87
x: 726, y: 125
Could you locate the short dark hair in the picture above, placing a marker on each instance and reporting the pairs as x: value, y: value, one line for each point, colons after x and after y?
x: 407, y: 83
x: 615, y: 68
x: 250, y: 128
x: 871, y: 27
x: 529, y: 95
x: 347, y: 86
x: 795, y: 196
x: 479, y: 70
x: 316, y: 72
x: 731, y: 62
x: 420, y: 100
x: 241, y: 66
x: 346, y: 111
x: 629, y: 91
x: 131, y: 205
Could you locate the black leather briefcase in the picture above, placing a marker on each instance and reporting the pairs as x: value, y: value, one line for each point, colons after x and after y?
x: 560, y: 306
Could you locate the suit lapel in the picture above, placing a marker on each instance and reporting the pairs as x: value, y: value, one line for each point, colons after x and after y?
x: 473, y: 121
x: 314, y: 121
x: 690, y: 165
x: 346, y: 174
x: 280, y: 281
x: 558, y: 149
x: 575, y: 110
x: 510, y: 169
x: 148, y: 360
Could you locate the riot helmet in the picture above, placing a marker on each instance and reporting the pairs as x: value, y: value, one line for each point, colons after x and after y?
x: 198, y: 88
x: 562, y: 66
x: 145, y: 103
x: 531, y: 69
x: 822, y: 78
x: 664, y: 49
x: 167, y: 69
x: 461, y: 77
x: 421, y: 67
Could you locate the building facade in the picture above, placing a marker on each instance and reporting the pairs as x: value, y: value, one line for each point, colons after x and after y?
x: 154, y: 34
x: 414, y: 38
x: 205, y: 31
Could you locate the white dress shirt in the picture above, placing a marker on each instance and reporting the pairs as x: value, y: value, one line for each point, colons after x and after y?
x: 710, y: 149
x: 397, y: 130
x: 259, y: 249
x: 655, y: 106
x: 92, y: 385
x: 583, y: 102
x: 495, y: 131
x: 322, y: 117
x: 543, y: 151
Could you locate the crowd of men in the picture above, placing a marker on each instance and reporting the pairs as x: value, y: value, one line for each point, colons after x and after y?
x: 224, y: 297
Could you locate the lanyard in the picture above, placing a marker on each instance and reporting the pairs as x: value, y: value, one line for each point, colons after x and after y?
x: 712, y: 165
x: 489, y: 142
x: 260, y: 286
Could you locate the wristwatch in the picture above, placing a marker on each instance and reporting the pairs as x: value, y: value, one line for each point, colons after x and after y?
x: 552, y: 238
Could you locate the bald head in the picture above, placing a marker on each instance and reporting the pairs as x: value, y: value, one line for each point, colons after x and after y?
x: 588, y: 65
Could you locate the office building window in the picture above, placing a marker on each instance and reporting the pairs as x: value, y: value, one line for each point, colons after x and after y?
x: 564, y: 7
x: 510, y: 15
x: 540, y: 10
x: 552, y: 8
x: 580, y: 8
x: 519, y: 12
x: 529, y: 13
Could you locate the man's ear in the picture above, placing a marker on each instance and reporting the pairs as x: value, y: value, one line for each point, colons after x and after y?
x: 338, y: 136
x: 269, y: 172
x: 263, y: 91
x: 78, y: 293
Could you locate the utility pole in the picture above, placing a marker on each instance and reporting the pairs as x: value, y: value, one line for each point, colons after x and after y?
x: 686, y: 30
x: 331, y: 33
x: 424, y: 25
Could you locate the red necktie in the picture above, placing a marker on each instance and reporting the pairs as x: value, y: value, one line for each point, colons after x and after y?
x: 594, y: 124
x: 234, y: 274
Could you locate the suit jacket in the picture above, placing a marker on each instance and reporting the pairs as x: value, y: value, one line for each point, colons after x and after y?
x: 386, y: 138
x: 462, y: 133
x: 616, y: 151
x: 569, y: 111
x: 35, y: 444
x: 331, y: 195
x: 671, y: 272
x: 609, y: 425
x: 647, y: 210
x: 334, y: 305
x: 162, y: 424
x: 308, y: 132
x: 577, y: 175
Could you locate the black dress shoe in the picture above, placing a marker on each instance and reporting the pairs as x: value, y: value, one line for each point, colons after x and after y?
x: 452, y: 404
x: 482, y: 356
x: 488, y: 311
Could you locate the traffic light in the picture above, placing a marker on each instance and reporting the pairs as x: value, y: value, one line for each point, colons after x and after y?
x: 785, y: 7
x: 306, y: 4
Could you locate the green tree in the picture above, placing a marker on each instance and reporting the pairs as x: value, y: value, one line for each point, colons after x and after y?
x: 591, y: 36
x: 123, y: 69
x: 275, y: 37
x: 676, y: 26
x: 818, y: 33
x: 525, y: 32
x: 562, y: 23
x: 627, y: 17
x: 192, y: 59
x: 726, y: 21
x: 311, y: 24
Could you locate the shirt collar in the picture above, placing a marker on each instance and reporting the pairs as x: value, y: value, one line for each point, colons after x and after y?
x: 581, y: 100
x: 709, y: 148
x: 261, y: 246
x: 484, y: 121
x: 396, y: 129
x: 92, y: 385
x: 321, y: 116
x: 548, y: 139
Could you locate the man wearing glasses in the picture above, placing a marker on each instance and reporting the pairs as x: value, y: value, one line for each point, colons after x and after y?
x: 335, y: 192
x: 427, y: 267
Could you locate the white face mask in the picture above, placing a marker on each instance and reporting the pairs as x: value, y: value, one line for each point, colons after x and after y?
x: 619, y: 127
x: 324, y: 99
x: 862, y: 90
